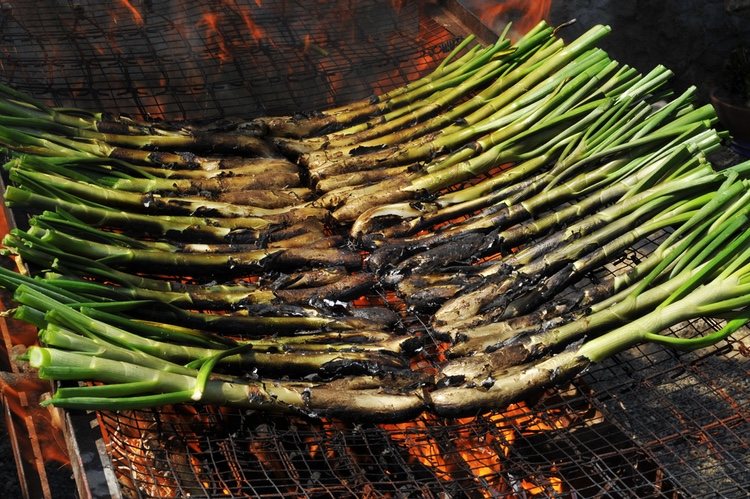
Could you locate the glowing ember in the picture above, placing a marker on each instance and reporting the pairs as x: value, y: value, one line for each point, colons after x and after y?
x: 412, y: 69
x: 415, y: 437
x: 157, y: 106
x: 553, y: 486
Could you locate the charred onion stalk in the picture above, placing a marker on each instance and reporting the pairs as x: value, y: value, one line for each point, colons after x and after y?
x: 136, y: 379
x: 50, y: 183
x: 200, y: 228
x: 515, y: 283
x: 516, y: 220
x: 718, y: 288
x: 45, y: 302
x: 51, y: 177
x: 579, y: 158
x: 157, y: 258
x: 391, y: 104
x: 243, y: 184
x: 132, y: 386
x: 605, y: 133
x: 169, y: 205
x: 88, y: 132
x: 63, y: 321
x: 522, y: 141
x: 252, y: 321
x: 432, y: 112
x: 227, y: 296
x: 81, y: 346
x: 498, y: 127
x: 519, y: 70
x: 618, y: 299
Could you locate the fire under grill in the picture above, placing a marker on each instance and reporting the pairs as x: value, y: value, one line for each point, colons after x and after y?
x: 650, y: 422
x: 208, y: 60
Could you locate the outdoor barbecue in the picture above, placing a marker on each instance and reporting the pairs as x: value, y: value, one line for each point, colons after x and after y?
x: 389, y: 249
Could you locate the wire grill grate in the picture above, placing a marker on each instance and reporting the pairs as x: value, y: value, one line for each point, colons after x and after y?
x: 631, y: 426
x: 647, y: 423
x: 208, y: 60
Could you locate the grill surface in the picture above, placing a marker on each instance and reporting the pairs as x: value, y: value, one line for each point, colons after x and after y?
x: 205, y: 60
x: 648, y: 423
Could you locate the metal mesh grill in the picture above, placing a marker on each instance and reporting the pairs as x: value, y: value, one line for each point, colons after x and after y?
x: 206, y: 60
x: 232, y: 454
x: 690, y: 411
x: 646, y: 423
x: 649, y: 422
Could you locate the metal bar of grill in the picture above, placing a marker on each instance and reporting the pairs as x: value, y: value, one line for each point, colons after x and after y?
x: 648, y: 422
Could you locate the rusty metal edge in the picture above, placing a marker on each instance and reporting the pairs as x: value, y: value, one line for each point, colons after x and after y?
x: 32, y: 476
x: 460, y: 20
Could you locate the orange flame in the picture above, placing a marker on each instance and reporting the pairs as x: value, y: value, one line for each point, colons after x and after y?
x: 412, y: 68
x: 132, y: 446
x: 21, y: 395
x: 526, y: 14
x: 137, y: 17
x: 481, y: 453
x: 210, y: 20
x: 554, y: 483
x: 413, y: 435
x: 255, y: 30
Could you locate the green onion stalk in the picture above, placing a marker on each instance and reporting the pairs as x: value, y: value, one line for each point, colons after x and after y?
x: 446, y: 75
x: 538, y: 83
x: 201, y: 228
x: 312, y: 231
x: 119, y: 315
x: 251, y: 321
x: 723, y: 295
x: 517, y: 289
x: 85, y: 132
x: 361, y: 172
x: 364, y: 339
x: 434, y: 112
x: 584, y: 245
x: 215, y: 184
x: 287, y: 361
x: 228, y: 296
x: 701, y: 247
x: 610, y: 127
x: 160, y: 260
x: 516, y: 220
x: 444, y: 168
x: 154, y: 203
x: 498, y: 149
x: 133, y: 386
x: 105, y: 172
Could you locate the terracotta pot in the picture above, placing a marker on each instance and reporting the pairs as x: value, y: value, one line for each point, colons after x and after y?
x: 733, y: 115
